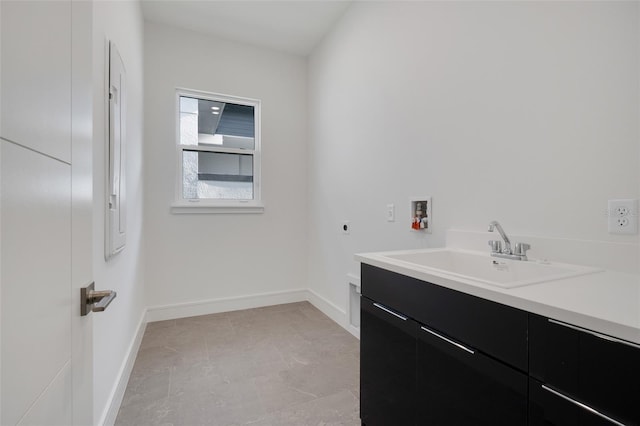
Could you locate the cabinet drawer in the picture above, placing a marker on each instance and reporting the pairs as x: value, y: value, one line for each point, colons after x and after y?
x: 548, y: 407
x: 497, y: 330
x: 457, y: 385
x: 601, y: 372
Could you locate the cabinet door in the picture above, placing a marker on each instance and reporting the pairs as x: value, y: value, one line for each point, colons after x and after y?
x: 548, y: 407
x: 387, y: 366
x: 457, y: 385
x: 597, y: 370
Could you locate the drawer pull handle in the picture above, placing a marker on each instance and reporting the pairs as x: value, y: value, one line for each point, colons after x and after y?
x: 471, y: 351
x: 593, y: 333
x: 581, y: 405
x: 389, y: 311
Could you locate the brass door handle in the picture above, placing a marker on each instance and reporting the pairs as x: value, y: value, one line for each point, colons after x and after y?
x: 92, y: 300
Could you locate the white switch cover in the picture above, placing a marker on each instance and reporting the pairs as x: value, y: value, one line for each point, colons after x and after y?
x: 391, y: 213
x: 623, y: 216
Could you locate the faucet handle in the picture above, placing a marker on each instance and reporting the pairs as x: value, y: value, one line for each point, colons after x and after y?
x: 496, y: 246
x: 521, y: 249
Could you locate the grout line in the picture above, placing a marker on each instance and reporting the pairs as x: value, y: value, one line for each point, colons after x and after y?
x: 170, y: 382
x: 304, y: 393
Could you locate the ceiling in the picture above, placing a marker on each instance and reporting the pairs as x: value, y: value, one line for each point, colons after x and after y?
x: 293, y: 26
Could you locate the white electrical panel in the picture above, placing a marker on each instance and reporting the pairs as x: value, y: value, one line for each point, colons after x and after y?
x: 115, y: 220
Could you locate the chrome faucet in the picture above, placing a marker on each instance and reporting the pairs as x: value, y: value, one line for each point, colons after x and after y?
x: 497, y: 250
x: 507, y: 244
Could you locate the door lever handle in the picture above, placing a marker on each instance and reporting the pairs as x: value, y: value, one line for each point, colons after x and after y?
x: 102, y: 299
x: 92, y: 300
x: 96, y: 295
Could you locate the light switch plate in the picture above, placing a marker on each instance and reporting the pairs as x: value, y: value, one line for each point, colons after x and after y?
x: 391, y: 213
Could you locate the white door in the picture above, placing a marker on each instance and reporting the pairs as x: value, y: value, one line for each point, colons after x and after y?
x: 45, y: 212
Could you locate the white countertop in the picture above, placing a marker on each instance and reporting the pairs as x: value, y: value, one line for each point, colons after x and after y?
x: 607, y: 302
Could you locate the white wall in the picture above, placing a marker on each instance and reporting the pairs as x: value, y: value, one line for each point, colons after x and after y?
x: 522, y: 112
x: 206, y: 257
x: 115, y: 328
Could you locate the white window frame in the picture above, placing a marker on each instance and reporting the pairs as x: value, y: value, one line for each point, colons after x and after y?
x: 212, y: 205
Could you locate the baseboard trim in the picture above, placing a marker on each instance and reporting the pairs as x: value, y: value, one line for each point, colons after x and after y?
x: 227, y: 304
x: 354, y: 330
x: 214, y: 306
x: 109, y: 416
x: 331, y: 310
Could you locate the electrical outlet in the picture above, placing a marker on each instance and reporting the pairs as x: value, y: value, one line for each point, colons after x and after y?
x: 623, y: 216
x: 621, y: 222
x: 621, y: 211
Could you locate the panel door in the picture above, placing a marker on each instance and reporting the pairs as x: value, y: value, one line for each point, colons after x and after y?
x: 45, y: 212
x: 36, y: 293
x: 36, y: 75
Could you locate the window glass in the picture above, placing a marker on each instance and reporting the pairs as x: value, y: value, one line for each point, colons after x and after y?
x: 219, y: 148
x: 188, y: 121
x: 207, y: 122
x: 217, y: 175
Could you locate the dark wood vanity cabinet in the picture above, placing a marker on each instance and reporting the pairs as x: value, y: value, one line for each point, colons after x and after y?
x: 434, y: 356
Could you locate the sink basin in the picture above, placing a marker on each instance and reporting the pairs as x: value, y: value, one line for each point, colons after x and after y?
x: 482, y: 267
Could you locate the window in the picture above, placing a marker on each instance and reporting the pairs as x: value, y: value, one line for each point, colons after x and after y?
x: 218, y: 150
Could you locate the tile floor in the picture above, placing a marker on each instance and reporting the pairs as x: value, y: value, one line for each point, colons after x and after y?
x: 279, y: 365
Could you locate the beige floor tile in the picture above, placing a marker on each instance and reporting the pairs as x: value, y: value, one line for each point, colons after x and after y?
x: 340, y: 408
x: 277, y: 365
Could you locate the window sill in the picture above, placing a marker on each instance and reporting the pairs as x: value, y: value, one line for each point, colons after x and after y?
x: 206, y: 208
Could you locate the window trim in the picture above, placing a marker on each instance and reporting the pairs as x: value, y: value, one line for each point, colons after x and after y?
x: 180, y: 205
